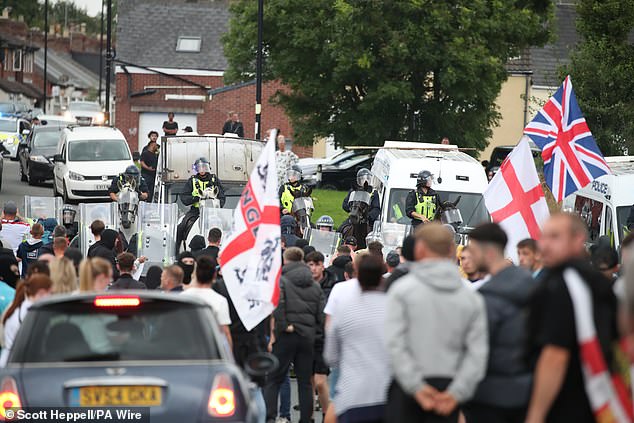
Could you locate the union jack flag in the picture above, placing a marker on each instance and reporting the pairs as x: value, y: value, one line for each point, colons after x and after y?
x: 571, y: 156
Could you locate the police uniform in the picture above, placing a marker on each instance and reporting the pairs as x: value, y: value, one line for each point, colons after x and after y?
x: 288, y: 192
x: 426, y: 204
x: 190, y: 196
x: 374, y: 211
x: 140, y: 188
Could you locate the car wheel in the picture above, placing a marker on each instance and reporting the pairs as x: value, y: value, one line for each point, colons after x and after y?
x: 31, y: 180
x: 55, y: 193
x: 329, y: 186
x: 23, y: 176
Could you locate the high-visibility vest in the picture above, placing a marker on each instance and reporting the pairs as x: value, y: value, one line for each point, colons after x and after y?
x: 288, y: 197
x: 397, y: 211
x: 199, y: 187
x: 426, y: 205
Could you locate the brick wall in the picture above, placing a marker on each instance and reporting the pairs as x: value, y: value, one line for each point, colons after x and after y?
x: 211, y: 114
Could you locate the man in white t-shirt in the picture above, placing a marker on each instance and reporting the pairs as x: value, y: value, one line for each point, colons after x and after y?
x: 205, y: 275
x: 14, y: 229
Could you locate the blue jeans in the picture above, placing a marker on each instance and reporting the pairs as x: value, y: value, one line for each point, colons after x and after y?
x: 285, y: 397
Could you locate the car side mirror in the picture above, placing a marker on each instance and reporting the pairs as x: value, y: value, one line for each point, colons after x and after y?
x: 59, y: 158
x: 260, y: 366
x: 136, y: 156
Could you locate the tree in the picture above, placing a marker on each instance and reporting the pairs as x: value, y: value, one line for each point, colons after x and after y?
x: 369, y: 70
x: 601, y: 70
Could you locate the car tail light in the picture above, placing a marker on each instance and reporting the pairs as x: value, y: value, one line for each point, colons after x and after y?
x: 222, y: 400
x: 9, y: 398
x: 118, y: 301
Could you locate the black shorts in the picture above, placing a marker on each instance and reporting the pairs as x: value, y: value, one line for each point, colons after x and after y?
x: 319, y: 365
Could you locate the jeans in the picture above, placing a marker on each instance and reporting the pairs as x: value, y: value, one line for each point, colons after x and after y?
x: 285, y: 397
x: 481, y: 413
x: 292, y: 348
x: 403, y: 408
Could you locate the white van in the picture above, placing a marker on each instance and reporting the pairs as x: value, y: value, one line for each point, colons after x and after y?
x: 456, y: 174
x: 605, y: 203
x: 87, y: 159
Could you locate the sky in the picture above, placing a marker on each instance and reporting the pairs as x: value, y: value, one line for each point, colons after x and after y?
x: 92, y: 6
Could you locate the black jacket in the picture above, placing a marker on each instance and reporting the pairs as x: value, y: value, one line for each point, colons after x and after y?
x: 508, y: 378
x: 231, y: 127
x: 104, y: 248
x: 301, y: 303
x: 238, y: 331
x: 209, y: 251
x: 140, y: 188
x: 327, y: 283
x: 337, y: 268
x: 288, y: 225
x: 410, y: 204
x: 375, y: 205
x: 186, y: 195
x: 126, y: 281
x: 8, y: 267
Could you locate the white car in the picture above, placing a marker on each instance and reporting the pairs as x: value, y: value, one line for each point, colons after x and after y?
x: 12, y: 131
x: 85, y: 113
x: 87, y: 159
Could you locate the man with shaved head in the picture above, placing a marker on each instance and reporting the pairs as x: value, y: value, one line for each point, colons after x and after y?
x: 559, y: 389
x: 436, y: 333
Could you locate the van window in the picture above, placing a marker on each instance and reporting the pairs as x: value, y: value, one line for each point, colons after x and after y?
x: 471, y: 206
x: 590, y: 211
x: 98, y: 151
x: 622, y: 218
x: 608, y: 227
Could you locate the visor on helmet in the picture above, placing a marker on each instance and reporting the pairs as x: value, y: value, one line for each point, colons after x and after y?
x: 202, y: 167
x: 293, y: 175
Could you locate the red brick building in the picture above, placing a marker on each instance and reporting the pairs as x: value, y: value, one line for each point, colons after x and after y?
x: 169, y: 57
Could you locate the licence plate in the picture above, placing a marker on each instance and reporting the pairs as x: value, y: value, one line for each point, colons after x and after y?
x: 102, y: 187
x: 103, y: 396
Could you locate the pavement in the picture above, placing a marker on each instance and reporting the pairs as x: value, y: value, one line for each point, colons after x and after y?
x: 15, y: 190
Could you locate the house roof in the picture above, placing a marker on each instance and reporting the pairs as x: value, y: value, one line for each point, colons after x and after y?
x: 546, y: 61
x: 148, y: 32
x: 12, y: 41
x: 63, y: 70
x: 15, y: 87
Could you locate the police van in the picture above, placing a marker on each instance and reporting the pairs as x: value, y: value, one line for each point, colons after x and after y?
x: 605, y: 203
x: 455, y: 175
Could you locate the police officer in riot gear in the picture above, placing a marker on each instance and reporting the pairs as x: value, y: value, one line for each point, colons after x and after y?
x: 132, y: 176
x: 292, y: 189
x: 422, y: 204
x: 198, y: 187
x: 364, y: 177
x: 325, y: 223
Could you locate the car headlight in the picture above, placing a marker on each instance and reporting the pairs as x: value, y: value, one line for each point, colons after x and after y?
x: 99, y: 118
x: 39, y: 159
x: 75, y: 176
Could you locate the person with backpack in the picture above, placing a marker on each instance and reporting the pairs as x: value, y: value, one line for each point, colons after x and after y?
x: 29, y: 250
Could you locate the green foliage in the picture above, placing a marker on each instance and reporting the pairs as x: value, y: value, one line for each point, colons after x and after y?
x: 370, y: 70
x: 601, y: 69
x: 329, y: 202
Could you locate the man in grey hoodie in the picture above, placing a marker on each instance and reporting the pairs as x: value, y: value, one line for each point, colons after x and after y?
x: 436, y: 334
x: 503, y: 394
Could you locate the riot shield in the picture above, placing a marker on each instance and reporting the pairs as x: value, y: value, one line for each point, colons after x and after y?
x: 325, y: 242
x: 391, y: 235
x: 157, y: 233
x: 88, y: 213
x: 36, y: 208
x: 216, y: 218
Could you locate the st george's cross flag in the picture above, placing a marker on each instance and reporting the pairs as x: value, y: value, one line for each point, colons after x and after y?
x: 251, y: 261
x: 515, y: 198
x: 571, y: 156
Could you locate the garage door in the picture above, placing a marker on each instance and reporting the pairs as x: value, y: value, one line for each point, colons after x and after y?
x: 154, y: 122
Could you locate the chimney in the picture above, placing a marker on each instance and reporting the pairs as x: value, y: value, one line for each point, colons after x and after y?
x: 82, y: 28
x: 21, y: 18
x: 5, y: 12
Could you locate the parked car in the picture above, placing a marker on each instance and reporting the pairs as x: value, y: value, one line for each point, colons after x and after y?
x: 36, y: 154
x: 54, y: 120
x: 499, y: 154
x: 12, y: 131
x: 85, y: 113
x: 87, y: 159
x: 12, y: 109
x: 343, y: 174
x: 132, y: 349
x: 310, y: 167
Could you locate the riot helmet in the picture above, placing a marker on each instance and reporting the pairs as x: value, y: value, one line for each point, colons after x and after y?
x: 326, y: 222
x: 294, y: 174
x: 132, y: 175
x: 201, y: 165
x: 424, y: 179
x: 364, y: 176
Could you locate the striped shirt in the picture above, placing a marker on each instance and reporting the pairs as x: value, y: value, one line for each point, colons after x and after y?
x: 355, y: 344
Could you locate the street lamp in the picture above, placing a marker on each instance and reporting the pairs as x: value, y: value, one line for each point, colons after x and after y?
x: 108, y: 59
x: 258, y: 73
x: 45, y: 54
x: 101, y: 51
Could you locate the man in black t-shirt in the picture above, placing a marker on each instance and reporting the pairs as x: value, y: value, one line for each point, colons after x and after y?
x: 233, y: 125
x: 559, y: 393
x: 170, y: 127
x: 149, y: 161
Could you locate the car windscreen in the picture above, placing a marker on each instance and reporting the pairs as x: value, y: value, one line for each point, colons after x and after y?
x: 471, y: 206
x: 79, y: 332
x: 46, y: 139
x: 85, y: 107
x: 98, y: 151
x: 8, y: 125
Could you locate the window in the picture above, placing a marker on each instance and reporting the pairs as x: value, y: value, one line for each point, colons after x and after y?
x: 608, y: 229
x: 98, y: 151
x: 17, y: 60
x: 590, y: 212
x: 7, y: 59
x: 28, y: 63
x: 46, y: 139
x: 188, y: 44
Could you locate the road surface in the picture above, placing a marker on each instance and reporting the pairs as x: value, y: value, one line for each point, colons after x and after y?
x: 15, y: 190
